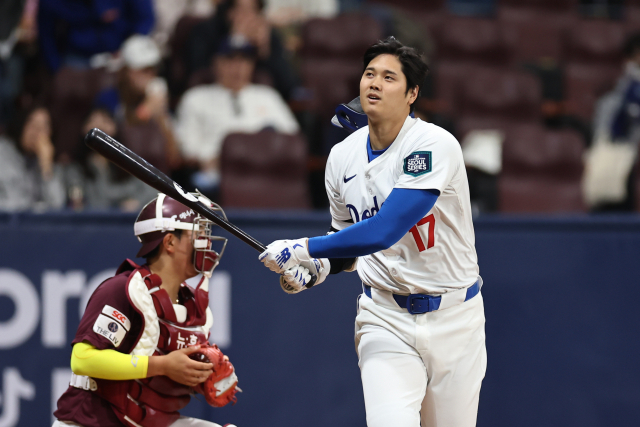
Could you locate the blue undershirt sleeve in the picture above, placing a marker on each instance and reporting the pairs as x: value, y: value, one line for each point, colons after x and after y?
x: 402, y: 210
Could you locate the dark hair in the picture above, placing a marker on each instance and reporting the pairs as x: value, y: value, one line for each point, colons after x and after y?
x: 225, y: 6
x: 414, y: 66
x: 631, y: 45
x: 156, y: 251
x: 20, y: 120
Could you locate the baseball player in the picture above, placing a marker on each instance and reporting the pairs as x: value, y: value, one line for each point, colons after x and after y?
x: 141, y: 348
x: 401, y: 216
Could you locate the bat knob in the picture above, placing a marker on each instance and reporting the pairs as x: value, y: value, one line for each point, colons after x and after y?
x: 94, y: 135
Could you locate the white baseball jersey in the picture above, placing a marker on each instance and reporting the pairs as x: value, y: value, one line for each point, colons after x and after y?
x: 438, y: 254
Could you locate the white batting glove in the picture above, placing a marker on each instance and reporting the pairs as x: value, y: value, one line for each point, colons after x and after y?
x: 281, y: 255
x: 296, y: 278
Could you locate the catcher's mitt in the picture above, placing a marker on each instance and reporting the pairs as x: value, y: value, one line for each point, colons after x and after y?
x: 221, y: 386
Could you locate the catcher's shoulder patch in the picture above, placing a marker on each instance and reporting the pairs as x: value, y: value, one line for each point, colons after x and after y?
x: 417, y: 163
x: 110, y: 329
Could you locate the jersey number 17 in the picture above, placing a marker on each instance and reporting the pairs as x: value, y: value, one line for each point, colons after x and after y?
x: 431, y: 220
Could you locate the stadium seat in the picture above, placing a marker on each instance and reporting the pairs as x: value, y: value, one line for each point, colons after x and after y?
x: 448, y: 76
x: 434, y: 21
x: 532, y: 35
x: 551, y: 5
x: 584, y: 84
x: 473, y: 39
x: 264, y: 170
x: 542, y: 171
x: 632, y: 18
x: 331, y: 82
x: 595, y: 41
x: 413, y: 5
x: 345, y: 36
x: 500, y: 92
x: 176, y: 66
x: 147, y: 140
x: 331, y: 59
x: 73, y: 94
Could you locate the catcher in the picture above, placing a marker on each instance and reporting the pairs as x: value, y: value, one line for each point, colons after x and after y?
x: 142, y: 349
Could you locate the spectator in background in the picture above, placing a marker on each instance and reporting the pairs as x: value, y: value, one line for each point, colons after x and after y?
x: 90, y: 27
x: 139, y: 104
x: 17, y: 32
x: 243, y: 20
x: 288, y: 16
x: 103, y: 185
x: 208, y: 113
x: 608, y: 179
x: 285, y: 12
x: 29, y: 178
x: 169, y: 12
x: 398, y: 23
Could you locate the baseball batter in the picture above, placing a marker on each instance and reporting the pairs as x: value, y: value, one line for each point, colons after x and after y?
x: 141, y: 348
x: 401, y: 216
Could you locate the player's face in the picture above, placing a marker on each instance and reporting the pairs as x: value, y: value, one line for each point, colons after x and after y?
x: 183, y: 254
x: 383, y: 90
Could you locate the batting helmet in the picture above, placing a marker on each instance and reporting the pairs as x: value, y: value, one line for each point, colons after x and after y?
x: 351, y: 116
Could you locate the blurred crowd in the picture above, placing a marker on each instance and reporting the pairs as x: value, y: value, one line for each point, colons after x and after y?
x: 235, y: 97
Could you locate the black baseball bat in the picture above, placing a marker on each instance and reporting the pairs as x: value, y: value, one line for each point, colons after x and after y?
x: 126, y: 159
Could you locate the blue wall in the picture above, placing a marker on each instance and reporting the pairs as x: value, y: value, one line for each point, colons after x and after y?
x: 560, y: 297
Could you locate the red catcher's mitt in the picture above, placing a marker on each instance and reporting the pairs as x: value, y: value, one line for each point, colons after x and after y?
x: 220, y: 388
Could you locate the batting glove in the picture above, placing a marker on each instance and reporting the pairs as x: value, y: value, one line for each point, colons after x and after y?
x: 281, y: 255
x: 296, y: 278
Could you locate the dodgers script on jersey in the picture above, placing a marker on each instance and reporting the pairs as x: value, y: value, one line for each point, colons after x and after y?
x: 438, y: 254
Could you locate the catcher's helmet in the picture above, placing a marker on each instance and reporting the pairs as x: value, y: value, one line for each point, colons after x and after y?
x: 351, y: 116
x: 164, y: 214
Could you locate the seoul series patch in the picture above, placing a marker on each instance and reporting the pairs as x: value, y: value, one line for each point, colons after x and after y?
x: 417, y: 163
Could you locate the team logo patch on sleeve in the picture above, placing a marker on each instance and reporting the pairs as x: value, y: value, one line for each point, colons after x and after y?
x: 112, y: 324
x: 109, y: 329
x: 417, y: 163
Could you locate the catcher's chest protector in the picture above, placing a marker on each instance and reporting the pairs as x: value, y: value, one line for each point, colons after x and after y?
x: 155, y: 402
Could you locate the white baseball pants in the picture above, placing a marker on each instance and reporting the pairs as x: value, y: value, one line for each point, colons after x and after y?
x: 420, y: 369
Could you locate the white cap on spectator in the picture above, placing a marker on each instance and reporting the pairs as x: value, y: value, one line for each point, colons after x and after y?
x: 140, y: 52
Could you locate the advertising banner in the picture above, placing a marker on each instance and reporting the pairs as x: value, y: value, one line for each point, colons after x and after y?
x: 560, y: 298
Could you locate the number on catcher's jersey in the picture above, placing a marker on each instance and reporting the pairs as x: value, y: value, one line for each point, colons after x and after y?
x: 430, y: 220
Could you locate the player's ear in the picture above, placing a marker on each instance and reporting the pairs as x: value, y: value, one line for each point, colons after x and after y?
x: 413, y: 94
x: 169, y: 243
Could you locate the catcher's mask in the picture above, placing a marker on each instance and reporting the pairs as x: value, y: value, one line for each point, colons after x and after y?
x: 351, y: 116
x: 164, y: 214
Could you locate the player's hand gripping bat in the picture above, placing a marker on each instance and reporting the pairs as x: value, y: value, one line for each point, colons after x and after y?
x: 149, y: 174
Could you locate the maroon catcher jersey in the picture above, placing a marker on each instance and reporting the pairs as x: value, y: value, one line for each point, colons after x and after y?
x: 108, y: 321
